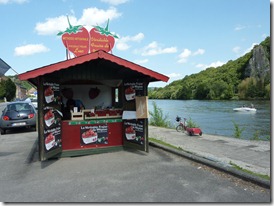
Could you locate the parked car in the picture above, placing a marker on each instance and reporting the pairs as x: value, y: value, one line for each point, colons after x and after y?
x: 34, y: 102
x: 16, y: 115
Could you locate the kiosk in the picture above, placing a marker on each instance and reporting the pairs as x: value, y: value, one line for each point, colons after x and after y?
x: 112, y: 113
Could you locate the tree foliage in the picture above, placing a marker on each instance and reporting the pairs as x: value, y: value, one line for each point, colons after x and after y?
x: 7, y: 89
x: 222, y: 83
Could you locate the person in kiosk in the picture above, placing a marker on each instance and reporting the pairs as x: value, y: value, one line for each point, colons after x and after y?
x: 71, y: 103
x: 69, y: 107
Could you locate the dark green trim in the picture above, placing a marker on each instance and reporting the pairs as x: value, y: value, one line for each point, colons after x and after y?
x: 97, y: 121
x: 81, y: 152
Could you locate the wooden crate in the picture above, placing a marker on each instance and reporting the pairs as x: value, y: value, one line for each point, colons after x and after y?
x: 77, y: 116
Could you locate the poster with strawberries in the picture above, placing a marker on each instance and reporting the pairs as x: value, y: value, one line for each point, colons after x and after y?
x: 133, y: 89
x: 95, y: 134
x: 52, y: 115
x: 134, y: 131
x: 79, y: 41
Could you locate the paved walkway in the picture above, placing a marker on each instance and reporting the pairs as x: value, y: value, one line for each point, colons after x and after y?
x: 251, y: 155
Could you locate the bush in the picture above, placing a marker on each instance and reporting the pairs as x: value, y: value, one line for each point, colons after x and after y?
x: 237, y: 130
x: 191, y: 123
x: 157, y: 117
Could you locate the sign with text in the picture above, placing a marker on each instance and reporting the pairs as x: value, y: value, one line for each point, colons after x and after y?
x: 133, y: 89
x: 79, y: 41
x: 52, y: 116
x: 134, y: 131
x: 95, y: 134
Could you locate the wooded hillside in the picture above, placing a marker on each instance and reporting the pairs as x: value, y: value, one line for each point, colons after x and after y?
x: 247, y: 77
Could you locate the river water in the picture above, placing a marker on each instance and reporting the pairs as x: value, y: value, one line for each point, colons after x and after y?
x: 217, y: 117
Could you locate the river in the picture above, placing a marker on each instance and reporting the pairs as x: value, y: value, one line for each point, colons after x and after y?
x: 218, y: 117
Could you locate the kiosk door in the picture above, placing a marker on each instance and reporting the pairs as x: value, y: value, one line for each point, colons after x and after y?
x: 135, y: 134
x: 135, y: 115
x: 49, y: 114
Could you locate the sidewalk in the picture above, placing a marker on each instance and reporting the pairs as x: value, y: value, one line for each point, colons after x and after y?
x: 222, y: 151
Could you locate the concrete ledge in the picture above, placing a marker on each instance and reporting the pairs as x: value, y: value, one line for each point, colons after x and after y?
x: 230, y: 170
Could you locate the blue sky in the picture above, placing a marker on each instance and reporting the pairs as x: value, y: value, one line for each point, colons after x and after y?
x: 175, y: 37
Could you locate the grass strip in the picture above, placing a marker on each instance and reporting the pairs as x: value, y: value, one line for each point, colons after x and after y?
x: 266, y: 177
x: 164, y: 143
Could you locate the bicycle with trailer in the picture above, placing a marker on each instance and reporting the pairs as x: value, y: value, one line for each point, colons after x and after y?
x: 184, y: 127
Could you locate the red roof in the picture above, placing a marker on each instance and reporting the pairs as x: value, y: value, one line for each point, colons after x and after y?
x: 89, y: 57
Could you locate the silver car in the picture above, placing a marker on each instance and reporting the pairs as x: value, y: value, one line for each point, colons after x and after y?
x: 16, y: 115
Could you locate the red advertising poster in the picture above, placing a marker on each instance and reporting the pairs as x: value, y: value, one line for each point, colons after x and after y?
x: 52, y: 116
x: 95, y: 134
x: 133, y: 89
x: 134, y: 131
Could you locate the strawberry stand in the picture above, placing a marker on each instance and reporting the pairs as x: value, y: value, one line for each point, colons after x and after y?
x: 114, y: 94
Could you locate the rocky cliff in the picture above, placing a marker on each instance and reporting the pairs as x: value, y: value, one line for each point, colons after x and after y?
x: 259, y: 65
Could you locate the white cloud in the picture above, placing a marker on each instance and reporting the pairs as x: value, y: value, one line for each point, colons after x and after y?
x: 94, y: 16
x: 250, y: 48
x: 216, y: 64
x: 114, y: 2
x: 30, y: 49
x: 185, y: 54
x: 123, y: 42
x: 183, y: 57
x: 174, y: 75
x: 213, y: 64
x: 154, y: 49
x: 122, y: 46
x: 264, y: 35
x: 53, y: 25
x: 141, y: 61
x: 236, y: 49
x: 239, y: 27
x: 203, y: 66
x: 13, y: 1
x: 199, y: 52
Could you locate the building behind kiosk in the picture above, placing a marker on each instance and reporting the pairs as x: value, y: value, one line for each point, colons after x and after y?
x: 114, y: 114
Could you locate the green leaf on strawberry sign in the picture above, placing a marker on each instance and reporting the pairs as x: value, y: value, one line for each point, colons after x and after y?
x: 105, y: 31
x: 71, y: 29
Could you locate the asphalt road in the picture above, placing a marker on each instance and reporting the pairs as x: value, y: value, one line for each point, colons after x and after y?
x: 124, y: 176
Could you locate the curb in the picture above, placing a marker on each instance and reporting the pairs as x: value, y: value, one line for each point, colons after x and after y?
x: 230, y: 170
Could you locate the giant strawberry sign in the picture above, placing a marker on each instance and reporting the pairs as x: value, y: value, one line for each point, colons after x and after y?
x: 79, y: 41
x: 76, y: 39
x: 101, y: 39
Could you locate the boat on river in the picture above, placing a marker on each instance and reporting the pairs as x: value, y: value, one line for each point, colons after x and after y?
x: 245, y: 109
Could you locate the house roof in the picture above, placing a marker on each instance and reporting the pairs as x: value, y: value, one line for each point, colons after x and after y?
x: 108, y: 59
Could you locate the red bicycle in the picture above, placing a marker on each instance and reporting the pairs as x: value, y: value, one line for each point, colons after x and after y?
x: 183, y: 127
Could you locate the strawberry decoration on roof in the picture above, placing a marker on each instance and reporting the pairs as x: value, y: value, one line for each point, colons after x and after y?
x: 79, y: 41
x: 76, y: 39
x: 101, y: 39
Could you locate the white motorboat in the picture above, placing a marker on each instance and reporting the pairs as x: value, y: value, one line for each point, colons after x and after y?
x: 245, y: 109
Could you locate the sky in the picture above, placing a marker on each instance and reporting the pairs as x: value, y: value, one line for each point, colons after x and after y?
x: 172, y: 37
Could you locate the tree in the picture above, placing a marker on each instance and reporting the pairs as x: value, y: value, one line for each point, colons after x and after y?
x: 7, y: 89
x: 202, y: 91
x: 182, y: 93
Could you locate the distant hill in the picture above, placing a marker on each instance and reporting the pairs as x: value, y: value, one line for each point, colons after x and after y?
x: 247, y: 77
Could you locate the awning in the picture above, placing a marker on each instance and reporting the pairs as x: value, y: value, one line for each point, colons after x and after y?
x: 154, y: 76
